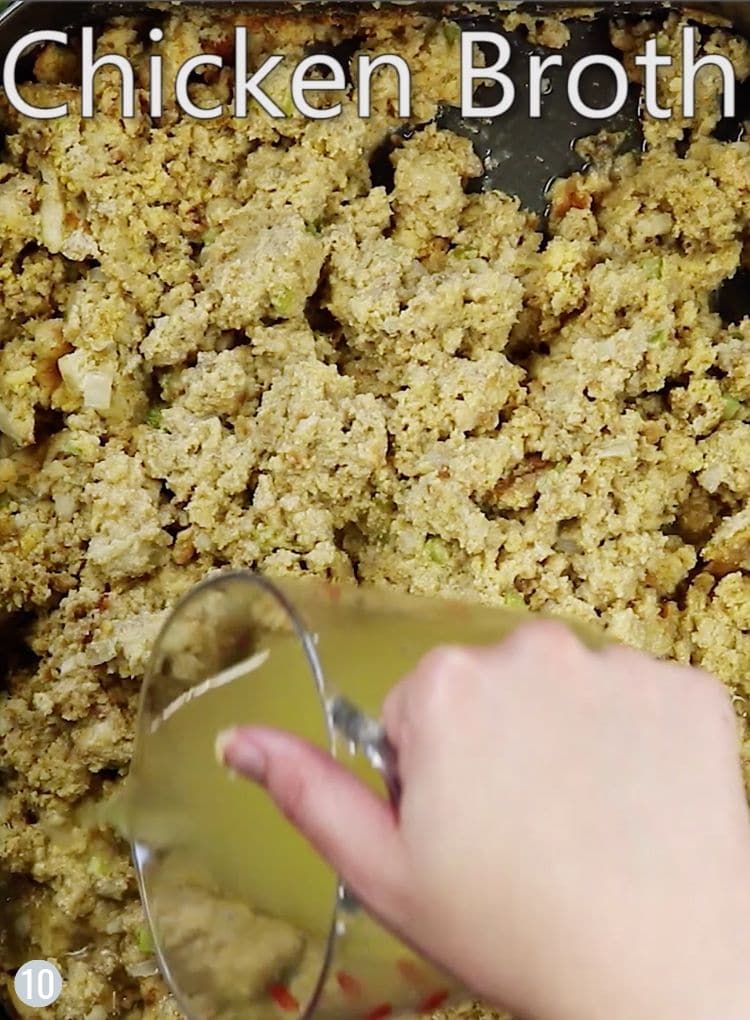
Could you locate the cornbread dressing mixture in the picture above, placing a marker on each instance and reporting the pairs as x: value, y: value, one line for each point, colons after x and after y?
x: 246, y: 343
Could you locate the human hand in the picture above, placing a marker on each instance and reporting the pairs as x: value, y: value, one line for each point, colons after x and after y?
x: 573, y: 839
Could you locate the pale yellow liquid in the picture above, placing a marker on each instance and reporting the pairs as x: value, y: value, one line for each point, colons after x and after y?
x: 184, y: 797
x: 225, y: 826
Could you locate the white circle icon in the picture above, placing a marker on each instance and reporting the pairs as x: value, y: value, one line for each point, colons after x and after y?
x: 38, y: 983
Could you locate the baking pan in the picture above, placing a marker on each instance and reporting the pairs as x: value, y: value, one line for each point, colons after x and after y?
x: 519, y: 157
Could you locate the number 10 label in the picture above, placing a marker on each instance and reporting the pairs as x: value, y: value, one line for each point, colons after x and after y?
x: 38, y: 983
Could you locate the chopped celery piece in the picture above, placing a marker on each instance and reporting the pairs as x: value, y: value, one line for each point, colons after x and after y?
x: 436, y: 550
x: 452, y: 32
x: 462, y: 252
x: 284, y: 301
x: 144, y: 940
x: 154, y: 418
x: 286, y: 103
x: 733, y: 408
x: 98, y: 866
x: 662, y: 44
x: 654, y: 267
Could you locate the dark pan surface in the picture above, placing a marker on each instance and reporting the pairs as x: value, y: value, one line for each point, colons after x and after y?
x: 520, y: 156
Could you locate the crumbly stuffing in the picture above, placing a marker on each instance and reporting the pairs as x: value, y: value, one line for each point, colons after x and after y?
x: 242, y: 343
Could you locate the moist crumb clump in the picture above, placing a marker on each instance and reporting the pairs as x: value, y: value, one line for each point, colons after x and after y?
x: 239, y: 343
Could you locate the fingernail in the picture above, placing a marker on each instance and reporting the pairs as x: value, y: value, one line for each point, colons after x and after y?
x: 223, y: 739
x: 240, y: 753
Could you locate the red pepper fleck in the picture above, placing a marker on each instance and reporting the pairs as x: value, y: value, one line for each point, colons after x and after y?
x: 378, y: 1012
x: 434, y: 1001
x: 411, y: 972
x: 348, y: 984
x: 283, y: 998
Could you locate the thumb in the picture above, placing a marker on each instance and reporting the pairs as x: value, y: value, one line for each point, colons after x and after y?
x: 348, y: 824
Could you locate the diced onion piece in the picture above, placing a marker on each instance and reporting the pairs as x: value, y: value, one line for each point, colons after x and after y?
x: 100, y: 651
x: 712, y: 477
x: 97, y: 1013
x: 97, y: 390
x: 616, y: 448
x: 52, y: 218
x: 20, y: 378
x: 72, y: 369
x: 65, y: 505
x: 10, y: 427
x: 69, y: 664
x: 147, y: 968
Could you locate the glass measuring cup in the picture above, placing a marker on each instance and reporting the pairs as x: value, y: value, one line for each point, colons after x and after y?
x: 248, y: 922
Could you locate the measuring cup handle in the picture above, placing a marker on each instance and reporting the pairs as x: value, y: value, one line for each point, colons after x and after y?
x: 369, y: 737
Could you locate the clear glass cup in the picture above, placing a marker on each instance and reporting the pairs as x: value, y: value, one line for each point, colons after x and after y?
x: 248, y: 922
